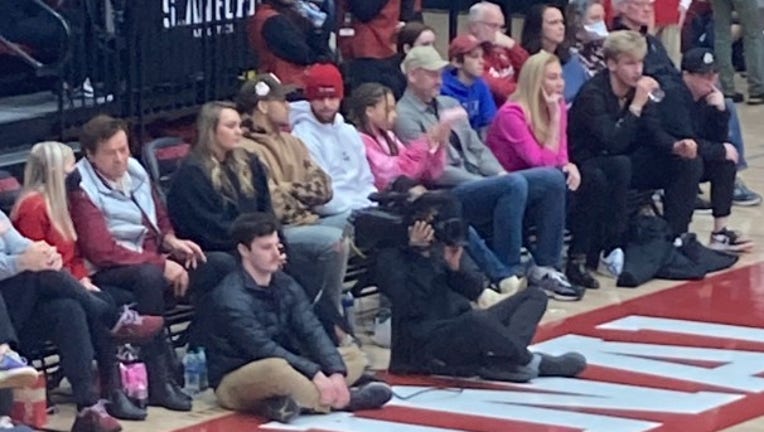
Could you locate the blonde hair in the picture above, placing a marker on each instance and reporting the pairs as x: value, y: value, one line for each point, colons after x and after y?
x: 237, y: 160
x: 44, y: 174
x: 530, y: 96
x: 624, y: 42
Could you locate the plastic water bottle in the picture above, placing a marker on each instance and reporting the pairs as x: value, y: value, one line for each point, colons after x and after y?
x: 348, y: 306
x: 191, y: 372
x: 202, y: 358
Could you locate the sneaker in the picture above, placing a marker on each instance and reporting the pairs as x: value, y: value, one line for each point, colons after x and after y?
x: 95, y: 419
x: 509, y: 373
x: 555, y: 284
x: 612, y: 263
x: 755, y: 99
x: 489, y: 298
x: 7, y: 425
x: 14, y: 371
x: 743, y: 196
x: 727, y: 240
x: 578, y: 274
x: 511, y: 285
x: 567, y: 365
x: 282, y: 409
x: 369, y: 396
x: 133, y: 327
x: 702, y: 205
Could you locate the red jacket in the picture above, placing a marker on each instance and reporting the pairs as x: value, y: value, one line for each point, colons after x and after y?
x: 666, y: 12
x: 372, y: 39
x: 32, y: 220
x: 99, y: 247
x: 502, y: 66
x: 286, y: 71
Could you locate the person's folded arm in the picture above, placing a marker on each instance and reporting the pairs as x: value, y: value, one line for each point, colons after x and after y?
x: 285, y: 40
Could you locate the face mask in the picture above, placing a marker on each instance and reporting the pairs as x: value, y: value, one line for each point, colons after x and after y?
x: 598, y: 30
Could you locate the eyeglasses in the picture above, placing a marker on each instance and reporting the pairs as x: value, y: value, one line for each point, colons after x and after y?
x: 494, y: 25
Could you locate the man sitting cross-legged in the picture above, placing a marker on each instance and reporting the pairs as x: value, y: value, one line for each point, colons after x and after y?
x: 267, y: 352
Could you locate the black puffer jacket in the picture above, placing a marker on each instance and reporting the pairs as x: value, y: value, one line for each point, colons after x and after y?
x: 245, y: 322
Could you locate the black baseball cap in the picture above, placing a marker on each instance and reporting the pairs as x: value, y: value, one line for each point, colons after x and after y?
x: 699, y: 61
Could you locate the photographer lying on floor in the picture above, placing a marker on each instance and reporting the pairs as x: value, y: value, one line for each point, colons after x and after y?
x: 435, y: 330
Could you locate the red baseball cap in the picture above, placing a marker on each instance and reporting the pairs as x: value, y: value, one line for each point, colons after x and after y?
x: 462, y: 44
x: 323, y: 80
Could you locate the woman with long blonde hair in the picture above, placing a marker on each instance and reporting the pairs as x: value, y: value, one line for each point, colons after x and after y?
x: 41, y: 213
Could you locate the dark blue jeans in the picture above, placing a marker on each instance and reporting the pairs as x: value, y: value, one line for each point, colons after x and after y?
x: 504, y: 202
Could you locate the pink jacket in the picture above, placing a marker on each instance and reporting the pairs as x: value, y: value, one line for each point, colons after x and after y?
x: 511, y: 139
x: 415, y: 161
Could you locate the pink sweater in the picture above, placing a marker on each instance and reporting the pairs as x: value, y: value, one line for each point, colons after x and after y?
x: 415, y: 161
x: 512, y: 141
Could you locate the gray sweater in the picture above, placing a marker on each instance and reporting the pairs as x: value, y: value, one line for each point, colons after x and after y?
x: 474, y: 162
x: 12, y: 245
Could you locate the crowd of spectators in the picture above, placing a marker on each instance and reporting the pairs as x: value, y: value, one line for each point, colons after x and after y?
x: 519, y: 139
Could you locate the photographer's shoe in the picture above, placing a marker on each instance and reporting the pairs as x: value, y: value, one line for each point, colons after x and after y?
x: 369, y: 396
x: 509, y: 373
x: 566, y: 365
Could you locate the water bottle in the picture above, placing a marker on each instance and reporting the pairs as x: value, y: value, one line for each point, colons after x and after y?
x: 348, y: 306
x: 191, y: 372
x: 203, y: 381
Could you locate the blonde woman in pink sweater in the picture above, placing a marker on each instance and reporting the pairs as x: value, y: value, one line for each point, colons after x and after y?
x: 529, y: 131
x: 371, y: 108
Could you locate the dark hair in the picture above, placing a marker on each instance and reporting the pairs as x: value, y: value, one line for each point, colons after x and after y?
x: 249, y: 226
x: 99, y: 129
x: 409, y: 33
x: 364, y: 96
x: 533, y: 33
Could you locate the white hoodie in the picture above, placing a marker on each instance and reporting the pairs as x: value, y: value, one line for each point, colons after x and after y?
x: 337, y: 148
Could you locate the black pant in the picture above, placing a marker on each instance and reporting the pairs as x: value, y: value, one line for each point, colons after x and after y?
x: 39, y: 313
x: 678, y: 177
x: 599, y: 215
x: 505, y: 330
x: 7, y: 332
x: 721, y: 175
x: 146, y: 282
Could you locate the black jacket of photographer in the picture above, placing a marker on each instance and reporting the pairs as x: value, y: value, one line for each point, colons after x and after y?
x: 425, y: 295
x: 246, y: 322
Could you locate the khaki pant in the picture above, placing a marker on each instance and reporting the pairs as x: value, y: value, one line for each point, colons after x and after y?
x: 244, y: 389
x: 671, y: 37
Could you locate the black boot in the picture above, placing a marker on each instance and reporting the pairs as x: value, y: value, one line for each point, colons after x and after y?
x: 578, y: 274
x: 119, y: 405
x: 163, y: 391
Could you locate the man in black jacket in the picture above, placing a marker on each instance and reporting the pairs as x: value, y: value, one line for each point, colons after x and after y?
x: 267, y: 351
x: 614, y: 115
x: 697, y: 111
x: 435, y: 330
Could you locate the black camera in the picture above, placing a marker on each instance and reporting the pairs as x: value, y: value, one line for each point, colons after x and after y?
x: 387, y: 224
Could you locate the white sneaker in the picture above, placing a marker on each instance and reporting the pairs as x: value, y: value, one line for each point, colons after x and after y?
x: 512, y: 285
x: 613, y: 263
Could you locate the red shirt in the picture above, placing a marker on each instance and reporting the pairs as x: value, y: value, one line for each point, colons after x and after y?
x: 374, y: 39
x: 32, y: 220
x: 502, y: 66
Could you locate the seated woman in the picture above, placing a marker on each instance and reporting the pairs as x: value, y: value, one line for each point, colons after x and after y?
x: 221, y: 181
x: 544, y: 29
x: 372, y: 109
x: 41, y: 213
x: 123, y: 231
x: 530, y: 131
x: 296, y: 185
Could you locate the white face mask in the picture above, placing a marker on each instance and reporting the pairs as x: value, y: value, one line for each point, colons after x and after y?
x: 598, y: 30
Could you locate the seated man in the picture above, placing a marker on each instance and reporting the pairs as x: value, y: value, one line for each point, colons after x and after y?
x: 503, y: 55
x: 267, y: 352
x: 493, y: 200
x: 698, y: 112
x: 333, y: 144
x: 613, y: 115
x: 438, y: 332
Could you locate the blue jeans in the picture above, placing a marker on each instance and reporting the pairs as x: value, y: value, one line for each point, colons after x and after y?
x: 736, y: 134
x: 485, y: 259
x: 318, y: 256
x: 504, y: 202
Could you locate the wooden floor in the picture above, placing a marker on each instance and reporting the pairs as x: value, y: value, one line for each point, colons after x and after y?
x: 748, y: 220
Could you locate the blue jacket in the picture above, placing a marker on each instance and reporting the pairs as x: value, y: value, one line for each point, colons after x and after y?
x: 476, y: 99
